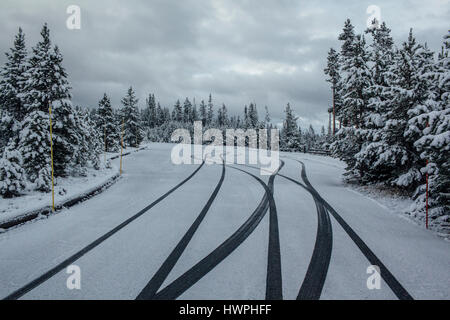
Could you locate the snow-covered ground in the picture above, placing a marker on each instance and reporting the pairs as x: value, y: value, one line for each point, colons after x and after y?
x: 124, y: 263
x: 65, y: 189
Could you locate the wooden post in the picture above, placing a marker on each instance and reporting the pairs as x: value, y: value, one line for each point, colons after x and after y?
x: 51, y: 155
x: 121, y: 148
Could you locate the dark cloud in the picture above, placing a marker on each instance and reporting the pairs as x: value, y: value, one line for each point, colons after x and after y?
x: 264, y: 51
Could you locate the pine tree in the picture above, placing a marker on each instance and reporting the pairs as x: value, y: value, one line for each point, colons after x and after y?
x: 132, y: 128
x: 149, y: 113
x: 358, y: 78
x: 434, y: 142
x: 11, y: 86
x: 47, y: 83
x: 290, y: 135
x: 194, y: 114
x: 334, y: 78
x: 106, y: 126
x: 66, y: 131
x: 382, y: 59
x: 12, y: 176
x: 394, y: 157
x: 177, y: 114
x: 210, y: 114
x: 34, y: 146
x: 94, y: 141
x: 203, y: 112
x: 187, y: 111
x: 267, y: 121
x: 346, y: 55
x: 253, y: 116
x: 159, y: 116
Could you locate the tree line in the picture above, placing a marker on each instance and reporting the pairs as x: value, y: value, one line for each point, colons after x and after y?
x: 393, y: 112
x: 31, y: 82
x: 30, y: 85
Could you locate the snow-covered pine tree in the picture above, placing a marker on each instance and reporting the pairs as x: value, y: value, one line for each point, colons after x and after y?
x: 253, y: 116
x: 47, y: 83
x: 355, y: 97
x: 65, y: 129
x: 357, y: 80
x: 106, y: 126
x: 334, y: 78
x: 225, y: 119
x: 347, y: 53
x: 194, y: 114
x: 93, y: 139
x: 149, y: 112
x: 381, y: 57
x: 12, y: 175
x: 12, y: 77
x: 397, y: 161
x: 34, y: 146
x: 203, y: 112
x: 159, y: 116
x: 267, y: 121
x: 210, y: 114
x: 177, y: 113
x: 432, y: 120
x: 81, y: 157
x: 133, y: 135
x: 290, y: 135
x: 187, y: 111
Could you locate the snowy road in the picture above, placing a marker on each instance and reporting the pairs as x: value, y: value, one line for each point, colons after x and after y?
x: 225, y: 232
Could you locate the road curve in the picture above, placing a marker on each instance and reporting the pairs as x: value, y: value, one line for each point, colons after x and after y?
x: 41, y: 279
x: 198, y: 271
x: 157, y: 280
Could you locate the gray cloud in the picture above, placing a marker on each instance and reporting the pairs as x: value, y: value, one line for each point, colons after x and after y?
x: 266, y: 51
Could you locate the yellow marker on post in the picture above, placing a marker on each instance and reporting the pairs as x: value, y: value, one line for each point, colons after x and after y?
x: 121, y: 149
x: 51, y: 155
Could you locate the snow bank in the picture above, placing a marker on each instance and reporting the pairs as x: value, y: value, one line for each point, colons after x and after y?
x: 68, y: 191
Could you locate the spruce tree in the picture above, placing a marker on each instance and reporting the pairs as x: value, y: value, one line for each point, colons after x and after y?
x: 290, y: 135
x: 432, y: 120
x: 210, y: 114
x: 203, y: 112
x: 132, y: 128
x: 346, y: 55
x: 334, y: 78
x: 177, y: 114
x: 12, y: 77
x: 253, y: 116
x: 187, y: 111
x: 194, y: 114
x: 34, y: 146
x: 12, y: 175
x: 47, y: 83
x: 107, y: 129
x: 159, y: 116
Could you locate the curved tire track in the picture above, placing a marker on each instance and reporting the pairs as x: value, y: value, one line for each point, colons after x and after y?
x: 314, y: 280
x: 387, y: 276
x: 157, y: 280
x: 38, y: 281
x: 198, y: 271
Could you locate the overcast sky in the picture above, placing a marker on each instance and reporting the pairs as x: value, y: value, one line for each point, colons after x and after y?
x: 267, y: 51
